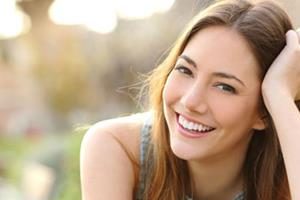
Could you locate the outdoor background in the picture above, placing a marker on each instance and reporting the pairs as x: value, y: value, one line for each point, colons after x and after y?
x: 66, y: 64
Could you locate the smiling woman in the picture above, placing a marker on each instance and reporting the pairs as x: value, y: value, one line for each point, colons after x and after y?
x: 209, y: 95
x: 222, y: 121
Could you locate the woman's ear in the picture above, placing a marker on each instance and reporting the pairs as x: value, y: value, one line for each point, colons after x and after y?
x: 261, y: 122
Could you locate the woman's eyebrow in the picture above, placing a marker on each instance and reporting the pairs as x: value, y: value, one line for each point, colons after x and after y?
x: 218, y: 74
x: 228, y: 76
x: 189, y: 60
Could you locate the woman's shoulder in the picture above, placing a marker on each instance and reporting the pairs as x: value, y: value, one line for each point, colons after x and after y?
x: 107, y: 151
x: 125, y: 130
x: 120, y: 128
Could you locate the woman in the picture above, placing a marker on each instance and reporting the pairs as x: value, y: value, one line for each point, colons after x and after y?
x: 223, y: 123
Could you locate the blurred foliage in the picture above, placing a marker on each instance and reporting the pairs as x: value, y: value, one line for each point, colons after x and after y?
x: 15, y: 152
x: 70, y: 185
x: 63, y: 77
x: 12, y: 154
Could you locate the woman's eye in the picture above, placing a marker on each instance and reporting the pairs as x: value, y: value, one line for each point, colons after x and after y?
x: 183, y: 69
x: 226, y: 88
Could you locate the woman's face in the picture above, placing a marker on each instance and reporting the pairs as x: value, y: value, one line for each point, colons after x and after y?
x: 211, y: 97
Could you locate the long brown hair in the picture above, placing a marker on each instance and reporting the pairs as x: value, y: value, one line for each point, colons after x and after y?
x: 263, y: 24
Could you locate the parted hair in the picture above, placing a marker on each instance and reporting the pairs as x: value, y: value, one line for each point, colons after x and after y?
x: 263, y: 24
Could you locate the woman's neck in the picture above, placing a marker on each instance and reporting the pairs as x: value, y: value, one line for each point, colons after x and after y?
x: 219, y: 178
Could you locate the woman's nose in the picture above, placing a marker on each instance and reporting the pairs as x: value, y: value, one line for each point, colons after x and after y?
x: 195, y: 99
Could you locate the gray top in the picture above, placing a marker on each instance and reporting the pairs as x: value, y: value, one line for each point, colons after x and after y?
x: 145, y: 139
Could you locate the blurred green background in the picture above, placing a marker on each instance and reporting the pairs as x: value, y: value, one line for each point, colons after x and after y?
x: 66, y: 64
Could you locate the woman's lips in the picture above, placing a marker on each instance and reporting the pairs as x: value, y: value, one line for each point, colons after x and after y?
x: 192, y: 129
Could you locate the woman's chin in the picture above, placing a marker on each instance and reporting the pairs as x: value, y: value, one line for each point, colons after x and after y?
x: 185, y: 151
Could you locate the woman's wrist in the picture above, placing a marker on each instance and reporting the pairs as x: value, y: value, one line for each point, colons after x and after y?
x: 276, y: 96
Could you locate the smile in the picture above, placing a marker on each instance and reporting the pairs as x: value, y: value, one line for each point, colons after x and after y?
x: 193, y: 126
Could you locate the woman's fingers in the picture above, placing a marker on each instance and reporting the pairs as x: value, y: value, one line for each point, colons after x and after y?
x: 298, y: 93
x: 292, y: 38
x: 284, y: 72
x: 298, y: 32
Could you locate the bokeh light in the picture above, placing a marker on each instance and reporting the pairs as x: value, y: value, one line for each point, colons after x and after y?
x: 102, y: 15
x: 140, y: 9
x: 13, y: 21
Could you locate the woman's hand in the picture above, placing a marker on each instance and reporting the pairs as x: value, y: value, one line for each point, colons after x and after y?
x: 283, y: 76
x: 280, y: 89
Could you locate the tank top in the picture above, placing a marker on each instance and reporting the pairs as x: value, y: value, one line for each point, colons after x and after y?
x: 145, y: 140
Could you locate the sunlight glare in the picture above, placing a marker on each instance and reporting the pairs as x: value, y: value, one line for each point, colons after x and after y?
x: 140, y: 9
x: 66, y: 12
x: 102, y: 15
x: 13, y: 21
x: 134, y: 9
x: 163, y: 6
x: 98, y: 16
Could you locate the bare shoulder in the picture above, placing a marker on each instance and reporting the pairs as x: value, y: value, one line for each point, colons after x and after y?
x: 124, y: 130
x: 105, y: 164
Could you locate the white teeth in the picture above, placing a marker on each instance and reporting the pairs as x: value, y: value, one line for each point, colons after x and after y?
x: 200, y: 128
x: 195, y: 127
x: 192, y: 125
x: 180, y: 120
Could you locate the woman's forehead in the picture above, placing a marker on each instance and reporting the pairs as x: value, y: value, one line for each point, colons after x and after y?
x: 224, y: 48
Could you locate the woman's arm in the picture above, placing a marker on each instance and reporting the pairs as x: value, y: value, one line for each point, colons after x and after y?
x: 280, y: 88
x: 105, y: 167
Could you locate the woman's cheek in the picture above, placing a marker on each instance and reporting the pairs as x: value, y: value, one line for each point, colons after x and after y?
x: 231, y: 110
x: 171, y: 90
